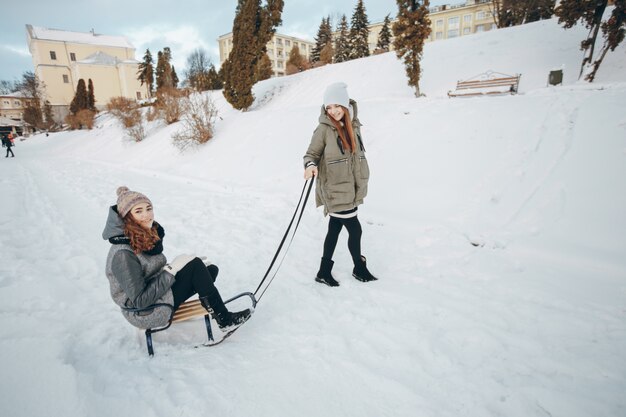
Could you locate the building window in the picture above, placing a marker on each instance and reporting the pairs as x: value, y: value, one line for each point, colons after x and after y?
x: 53, y: 55
x: 72, y: 56
x: 480, y: 15
x: 16, y: 103
x: 453, y: 33
x: 279, y: 64
x: 467, y: 31
x: 453, y: 23
x: 7, y: 102
x: 439, y: 35
x: 279, y: 41
x: 138, y: 95
x: 439, y: 23
x: 287, y: 42
x: 66, y: 79
x: 270, y: 51
x: 480, y: 28
x: 494, y: 26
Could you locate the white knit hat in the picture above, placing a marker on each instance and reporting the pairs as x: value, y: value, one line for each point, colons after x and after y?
x: 337, y: 93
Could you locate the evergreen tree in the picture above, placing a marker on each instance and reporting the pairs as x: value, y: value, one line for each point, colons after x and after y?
x: 164, y: 76
x: 174, y: 78
x: 253, y: 27
x: 146, y: 71
x: 519, y: 12
x: 324, y: 37
x: 214, y: 79
x: 384, y: 37
x: 81, y: 98
x: 411, y: 30
x: 91, y: 97
x: 296, y: 62
x: 264, y: 69
x: 359, y: 32
x: 342, y: 45
x: 590, y: 13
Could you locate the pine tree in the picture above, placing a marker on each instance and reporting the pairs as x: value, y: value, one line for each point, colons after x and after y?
x: 342, y: 45
x: 81, y: 98
x: 359, y: 32
x: 519, y: 12
x: 164, y: 74
x: 174, y: 78
x: 384, y: 37
x: 253, y: 27
x: 146, y: 71
x: 214, y: 79
x: 590, y: 13
x: 324, y: 36
x: 411, y: 30
x: 91, y: 97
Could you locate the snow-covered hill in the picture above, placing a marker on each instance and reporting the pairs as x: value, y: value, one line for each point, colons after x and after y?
x: 496, y: 226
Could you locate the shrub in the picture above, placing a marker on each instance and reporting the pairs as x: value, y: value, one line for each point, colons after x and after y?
x: 198, y: 118
x: 169, y: 104
x: 84, y: 118
x: 125, y: 110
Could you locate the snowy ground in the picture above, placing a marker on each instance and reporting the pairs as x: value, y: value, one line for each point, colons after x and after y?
x: 529, y: 322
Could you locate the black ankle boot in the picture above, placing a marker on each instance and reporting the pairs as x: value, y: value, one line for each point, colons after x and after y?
x: 225, y: 319
x: 324, y: 275
x: 361, y: 272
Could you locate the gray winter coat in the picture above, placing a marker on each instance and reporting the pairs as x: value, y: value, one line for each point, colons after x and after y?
x: 137, y: 281
x: 342, y: 176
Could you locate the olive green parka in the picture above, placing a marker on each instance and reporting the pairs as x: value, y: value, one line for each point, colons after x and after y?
x: 342, y: 176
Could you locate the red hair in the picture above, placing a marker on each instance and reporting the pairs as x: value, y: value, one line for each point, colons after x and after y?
x: 350, y: 141
x: 141, y: 240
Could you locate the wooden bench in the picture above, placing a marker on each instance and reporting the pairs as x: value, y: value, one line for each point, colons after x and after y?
x: 186, y: 311
x: 487, y: 83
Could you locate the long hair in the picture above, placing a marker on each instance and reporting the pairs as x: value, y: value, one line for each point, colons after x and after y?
x: 350, y: 141
x: 141, y: 240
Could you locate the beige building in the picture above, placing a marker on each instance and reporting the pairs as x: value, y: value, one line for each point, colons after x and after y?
x: 278, y: 49
x: 12, y: 106
x: 451, y: 21
x: 61, y: 58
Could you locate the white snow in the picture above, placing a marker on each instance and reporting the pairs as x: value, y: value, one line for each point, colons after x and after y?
x: 496, y: 226
x: 90, y: 38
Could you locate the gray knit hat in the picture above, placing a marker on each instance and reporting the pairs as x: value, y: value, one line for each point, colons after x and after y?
x: 337, y: 93
x: 127, y: 199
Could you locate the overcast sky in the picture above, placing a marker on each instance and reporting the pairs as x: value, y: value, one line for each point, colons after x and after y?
x: 183, y: 25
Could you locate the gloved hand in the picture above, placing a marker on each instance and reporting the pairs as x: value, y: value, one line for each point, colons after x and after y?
x: 178, y: 263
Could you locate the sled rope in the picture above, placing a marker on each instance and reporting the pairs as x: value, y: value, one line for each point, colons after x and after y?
x: 299, y: 208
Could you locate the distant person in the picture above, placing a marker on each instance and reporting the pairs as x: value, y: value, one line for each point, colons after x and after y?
x: 6, y: 142
x: 336, y: 157
x: 139, y: 275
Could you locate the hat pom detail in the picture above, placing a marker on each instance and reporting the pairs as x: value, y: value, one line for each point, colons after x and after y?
x: 121, y: 190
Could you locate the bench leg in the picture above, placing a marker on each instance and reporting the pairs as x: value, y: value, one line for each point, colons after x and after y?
x: 149, y: 342
x: 207, y: 321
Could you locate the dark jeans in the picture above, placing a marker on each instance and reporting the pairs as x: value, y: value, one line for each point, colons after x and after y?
x: 9, y: 150
x: 194, y: 278
x: 335, y: 225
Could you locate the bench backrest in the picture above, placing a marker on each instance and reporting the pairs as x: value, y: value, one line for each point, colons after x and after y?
x: 494, y: 82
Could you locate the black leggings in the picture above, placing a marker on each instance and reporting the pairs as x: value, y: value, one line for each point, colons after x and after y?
x: 194, y: 278
x: 353, y: 226
x: 9, y: 150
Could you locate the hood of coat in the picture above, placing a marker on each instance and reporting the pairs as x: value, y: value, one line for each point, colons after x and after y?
x: 353, y: 113
x: 114, y: 225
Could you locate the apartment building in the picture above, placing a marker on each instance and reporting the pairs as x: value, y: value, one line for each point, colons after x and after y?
x: 12, y: 106
x: 61, y: 58
x: 451, y: 21
x: 278, y: 49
